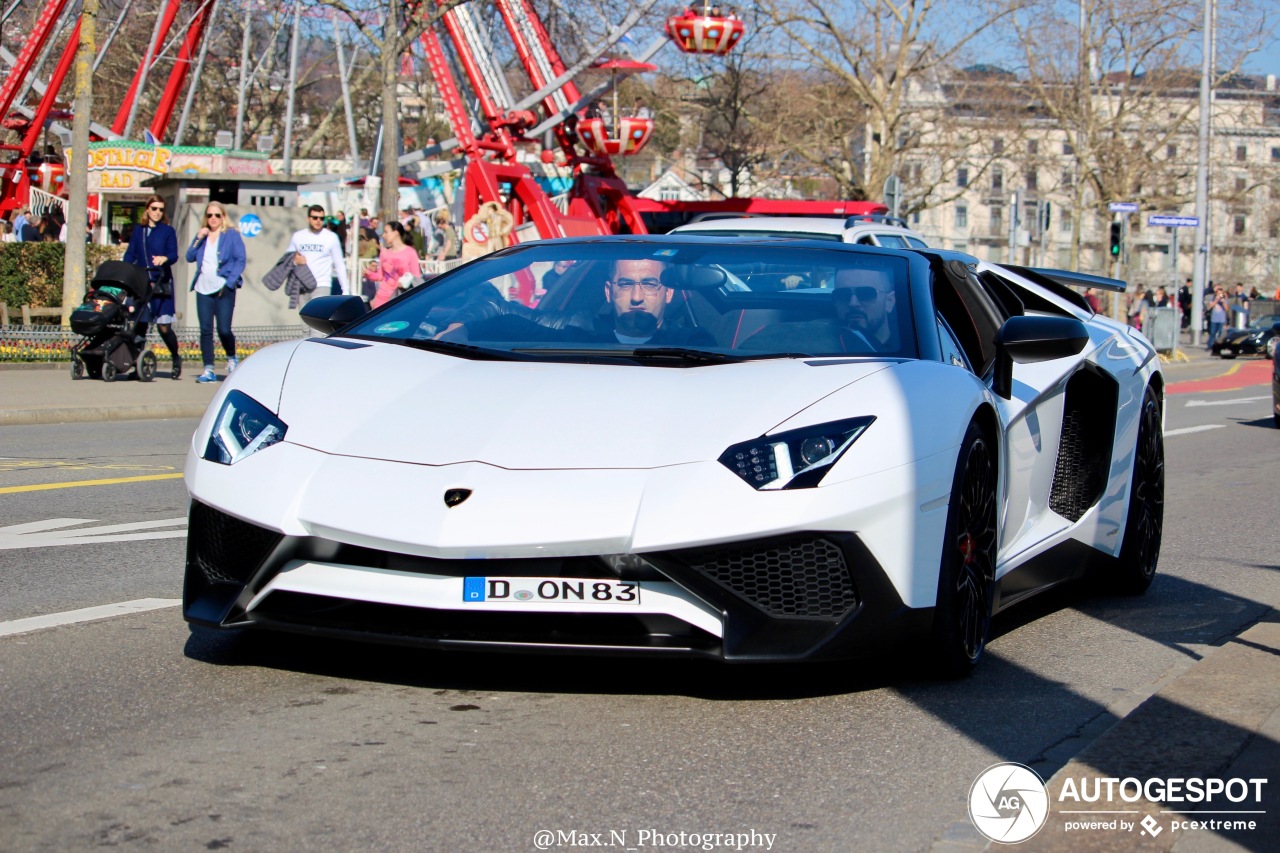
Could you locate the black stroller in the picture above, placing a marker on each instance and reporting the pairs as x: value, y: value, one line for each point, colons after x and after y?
x: 108, y: 322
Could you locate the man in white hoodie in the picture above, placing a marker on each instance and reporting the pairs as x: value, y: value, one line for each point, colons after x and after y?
x: 318, y: 248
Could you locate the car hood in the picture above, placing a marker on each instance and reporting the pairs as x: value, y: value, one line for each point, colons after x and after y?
x: 388, y: 401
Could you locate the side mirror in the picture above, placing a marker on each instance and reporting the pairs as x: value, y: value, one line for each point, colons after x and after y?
x: 1027, y: 340
x: 327, y: 314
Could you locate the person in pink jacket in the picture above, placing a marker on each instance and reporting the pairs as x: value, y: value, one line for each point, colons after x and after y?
x: 396, y: 266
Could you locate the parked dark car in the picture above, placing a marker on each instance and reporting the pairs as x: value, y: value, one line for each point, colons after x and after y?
x: 1259, y: 338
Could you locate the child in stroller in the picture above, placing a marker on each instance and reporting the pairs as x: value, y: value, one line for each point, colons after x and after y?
x: 108, y: 322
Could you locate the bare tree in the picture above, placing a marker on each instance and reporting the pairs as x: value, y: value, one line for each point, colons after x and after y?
x: 876, y: 83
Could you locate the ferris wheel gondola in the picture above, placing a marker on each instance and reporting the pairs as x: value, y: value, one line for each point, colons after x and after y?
x: 616, y: 134
x: 705, y: 29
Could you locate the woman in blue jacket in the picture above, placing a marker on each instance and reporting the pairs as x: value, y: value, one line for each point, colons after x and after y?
x: 154, y: 246
x: 218, y: 253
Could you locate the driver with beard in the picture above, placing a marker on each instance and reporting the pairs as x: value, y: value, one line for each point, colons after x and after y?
x: 636, y: 293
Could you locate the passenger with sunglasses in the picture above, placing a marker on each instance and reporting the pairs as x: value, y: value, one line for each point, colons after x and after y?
x: 218, y: 253
x: 864, y: 303
x: 318, y: 248
x: 153, y: 245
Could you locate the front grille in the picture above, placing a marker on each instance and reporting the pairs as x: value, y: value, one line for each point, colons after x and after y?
x: 805, y: 577
x: 226, y: 549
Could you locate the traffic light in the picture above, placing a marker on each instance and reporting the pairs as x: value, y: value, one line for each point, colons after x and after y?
x: 1115, y: 239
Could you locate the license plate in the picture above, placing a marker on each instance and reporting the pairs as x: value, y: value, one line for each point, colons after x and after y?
x: 584, y: 591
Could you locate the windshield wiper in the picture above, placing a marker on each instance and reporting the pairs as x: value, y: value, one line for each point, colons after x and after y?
x: 453, y: 348
x: 687, y: 355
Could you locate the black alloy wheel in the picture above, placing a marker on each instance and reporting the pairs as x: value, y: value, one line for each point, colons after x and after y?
x: 1140, y: 550
x: 966, y: 576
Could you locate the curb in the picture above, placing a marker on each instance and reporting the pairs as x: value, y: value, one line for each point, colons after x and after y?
x: 1216, y: 720
x: 97, y: 414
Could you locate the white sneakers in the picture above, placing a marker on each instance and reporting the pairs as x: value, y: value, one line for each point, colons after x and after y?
x: 232, y: 364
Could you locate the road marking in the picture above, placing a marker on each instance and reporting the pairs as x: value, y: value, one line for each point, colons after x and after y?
x: 40, y: 487
x: 1194, y: 403
x: 87, y: 614
x: 1189, y: 430
x: 18, y: 463
x: 46, y: 534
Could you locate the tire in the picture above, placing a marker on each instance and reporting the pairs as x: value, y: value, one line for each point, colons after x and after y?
x: 145, y: 366
x: 108, y: 371
x: 1140, y: 550
x: 1271, y: 347
x: 77, y: 368
x: 966, y: 575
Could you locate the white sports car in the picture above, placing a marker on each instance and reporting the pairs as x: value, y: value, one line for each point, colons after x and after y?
x: 740, y: 449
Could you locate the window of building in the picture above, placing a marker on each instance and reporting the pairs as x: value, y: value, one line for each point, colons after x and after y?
x: 997, y: 180
x: 962, y: 177
x: 997, y: 221
x: 1241, y: 183
x: 962, y: 216
x: 1171, y: 151
x: 1068, y: 178
x: 1033, y: 180
x: 1275, y: 153
x: 1237, y: 224
x: 1064, y: 220
x: 1033, y: 147
x: 1242, y: 153
x: 997, y: 145
x: 1274, y: 231
x: 1068, y: 148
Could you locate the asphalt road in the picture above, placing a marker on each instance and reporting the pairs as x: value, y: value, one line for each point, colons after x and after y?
x: 133, y: 732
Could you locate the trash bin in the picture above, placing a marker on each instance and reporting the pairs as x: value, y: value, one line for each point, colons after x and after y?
x: 1160, y: 325
x: 1239, y: 319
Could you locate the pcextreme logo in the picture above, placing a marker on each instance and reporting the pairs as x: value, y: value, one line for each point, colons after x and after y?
x: 1008, y: 803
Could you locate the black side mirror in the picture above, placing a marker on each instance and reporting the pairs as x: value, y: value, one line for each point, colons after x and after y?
x: 1028, y: 339
x: 327, y: 314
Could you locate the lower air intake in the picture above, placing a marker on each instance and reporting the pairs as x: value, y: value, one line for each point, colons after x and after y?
x: 800, y: 577
x: 224, y: 548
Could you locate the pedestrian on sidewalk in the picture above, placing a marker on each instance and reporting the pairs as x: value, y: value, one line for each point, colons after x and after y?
x: 318, y: 248
x: 154, y: 246
x: 1217, y: 316
x: 397, y: 266
x: 218, y: 253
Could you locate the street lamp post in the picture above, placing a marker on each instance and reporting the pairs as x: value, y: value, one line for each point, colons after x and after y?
x: 1200, y: 269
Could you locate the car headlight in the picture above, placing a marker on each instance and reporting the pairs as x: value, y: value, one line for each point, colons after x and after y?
x: 243, y: 427
x: 796, y: 459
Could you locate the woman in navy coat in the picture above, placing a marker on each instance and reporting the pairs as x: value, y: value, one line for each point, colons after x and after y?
x: 218, y: 255
x: 154, y: 246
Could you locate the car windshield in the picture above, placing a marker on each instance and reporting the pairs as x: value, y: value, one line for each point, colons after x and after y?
x: 659, y: 302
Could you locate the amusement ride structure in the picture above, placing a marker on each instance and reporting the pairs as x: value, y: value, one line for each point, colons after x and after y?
x: 489, y: 124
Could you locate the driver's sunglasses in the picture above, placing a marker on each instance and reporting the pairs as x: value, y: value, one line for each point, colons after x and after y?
x: 865, y: 293
x: 650, y: 285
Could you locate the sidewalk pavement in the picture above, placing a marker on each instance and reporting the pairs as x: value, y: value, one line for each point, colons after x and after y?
x: 46, y: 394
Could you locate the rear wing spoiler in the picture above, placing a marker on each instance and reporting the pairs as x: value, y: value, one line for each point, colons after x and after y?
x: 1074, y: 279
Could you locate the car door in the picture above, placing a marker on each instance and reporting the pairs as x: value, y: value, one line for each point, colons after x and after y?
x: 1031, y: 418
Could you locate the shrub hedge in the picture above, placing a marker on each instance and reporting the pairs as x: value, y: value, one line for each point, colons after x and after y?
x: 31, y: 273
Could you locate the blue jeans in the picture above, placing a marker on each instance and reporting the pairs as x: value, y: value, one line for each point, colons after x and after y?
x: 1215, y: 332
x: 218, y: 306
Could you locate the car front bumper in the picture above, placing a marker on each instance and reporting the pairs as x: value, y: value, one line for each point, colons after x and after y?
x: 801, y: 596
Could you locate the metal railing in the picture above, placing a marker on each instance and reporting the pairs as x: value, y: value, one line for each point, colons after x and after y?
x: 40, y: 342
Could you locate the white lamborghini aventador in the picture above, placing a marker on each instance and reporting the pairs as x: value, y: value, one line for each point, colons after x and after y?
x: 741, y: 449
